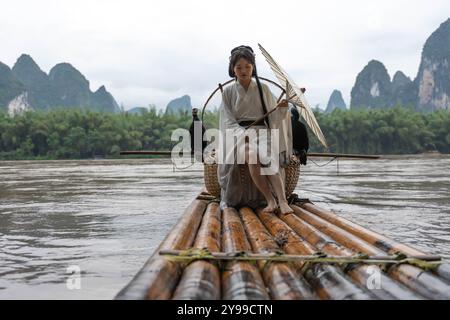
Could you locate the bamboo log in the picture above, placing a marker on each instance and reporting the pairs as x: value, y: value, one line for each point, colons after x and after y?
x: 240, y: 280
x: 443, y: 271
x: 418, y: 280
x: 201, y: 279
x: 159, y: 276
x: 327, y: 281
x: 361, y: 273
x: 283, y: 281
x: 378, y: 240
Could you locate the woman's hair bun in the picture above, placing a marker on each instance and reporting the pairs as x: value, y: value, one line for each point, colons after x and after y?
x: 239, y: 48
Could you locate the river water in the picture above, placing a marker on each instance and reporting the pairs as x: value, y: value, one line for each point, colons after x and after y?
x: 102, y: 219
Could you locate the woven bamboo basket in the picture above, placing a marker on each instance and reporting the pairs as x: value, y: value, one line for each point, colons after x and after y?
x: 292, y: 174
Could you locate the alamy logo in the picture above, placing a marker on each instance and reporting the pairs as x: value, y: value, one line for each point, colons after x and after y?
x: 74, y: 280
x: 230, y: 147
x: 374, y: 280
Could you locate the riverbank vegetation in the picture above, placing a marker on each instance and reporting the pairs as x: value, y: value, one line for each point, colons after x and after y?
x: 77, y: 134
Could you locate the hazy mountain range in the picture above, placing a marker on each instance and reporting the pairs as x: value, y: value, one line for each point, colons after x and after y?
x: 429, y: 91
x: 26, y: 86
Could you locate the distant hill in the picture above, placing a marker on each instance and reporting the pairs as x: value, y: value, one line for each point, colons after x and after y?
x: 433, y: 78
x: 336, y: 102
x: 372, y: 87
x: 429, y: 91
x: 137, y: 110
x: 27, y: 86
x: 10, y: 86
x: 36, y: 82
x: 182, y: 104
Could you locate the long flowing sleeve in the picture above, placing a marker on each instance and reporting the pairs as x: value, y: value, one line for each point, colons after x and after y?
x: 281, y: 120
x: 226, y: 118
x: 232, y: 189
x: 227, y: 121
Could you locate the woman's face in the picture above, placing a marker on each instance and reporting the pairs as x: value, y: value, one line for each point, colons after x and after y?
x: 243, y: 70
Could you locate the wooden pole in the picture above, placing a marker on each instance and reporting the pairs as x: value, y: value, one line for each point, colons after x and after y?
x: 283, y: 281
x: 343, y: 155
x: 240, y: 280
x: 311, y: 154
x: 378, y: 240
x: 144, y: 152
x: 201, y: 279
x: 418, y: 280
x: 361, y: 273
x: 158, y: 277
x: 202, y: 254
x: 327, y: 280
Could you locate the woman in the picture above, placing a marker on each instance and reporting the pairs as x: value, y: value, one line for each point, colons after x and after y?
x: 243, y: 102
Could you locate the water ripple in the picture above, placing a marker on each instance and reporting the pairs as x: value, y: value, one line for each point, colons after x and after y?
x: 107, y: 216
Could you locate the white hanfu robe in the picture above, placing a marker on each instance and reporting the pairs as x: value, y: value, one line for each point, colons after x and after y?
x: 238, y: 105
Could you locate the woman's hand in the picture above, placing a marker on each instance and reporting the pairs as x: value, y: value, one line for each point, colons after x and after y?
x: 283, y: 103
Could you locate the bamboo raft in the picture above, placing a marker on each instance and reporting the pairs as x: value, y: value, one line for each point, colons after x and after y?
x: 310, y: 254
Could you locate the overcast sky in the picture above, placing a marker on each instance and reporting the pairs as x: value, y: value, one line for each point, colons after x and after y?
x: 150, y: 52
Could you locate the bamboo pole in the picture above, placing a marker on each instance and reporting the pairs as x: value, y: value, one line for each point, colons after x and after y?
x: 283, y: 281
x: 312, y: 154
x: 363, y: 274
x: 159, y: 276
x: 418, y: 280
x: 327, y: 280
x: 378, y: 240
x: 240, y: 280
x: 202, y: 254
x: 343, y: 155
x: 143, y: 152
x: 201, y: 279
